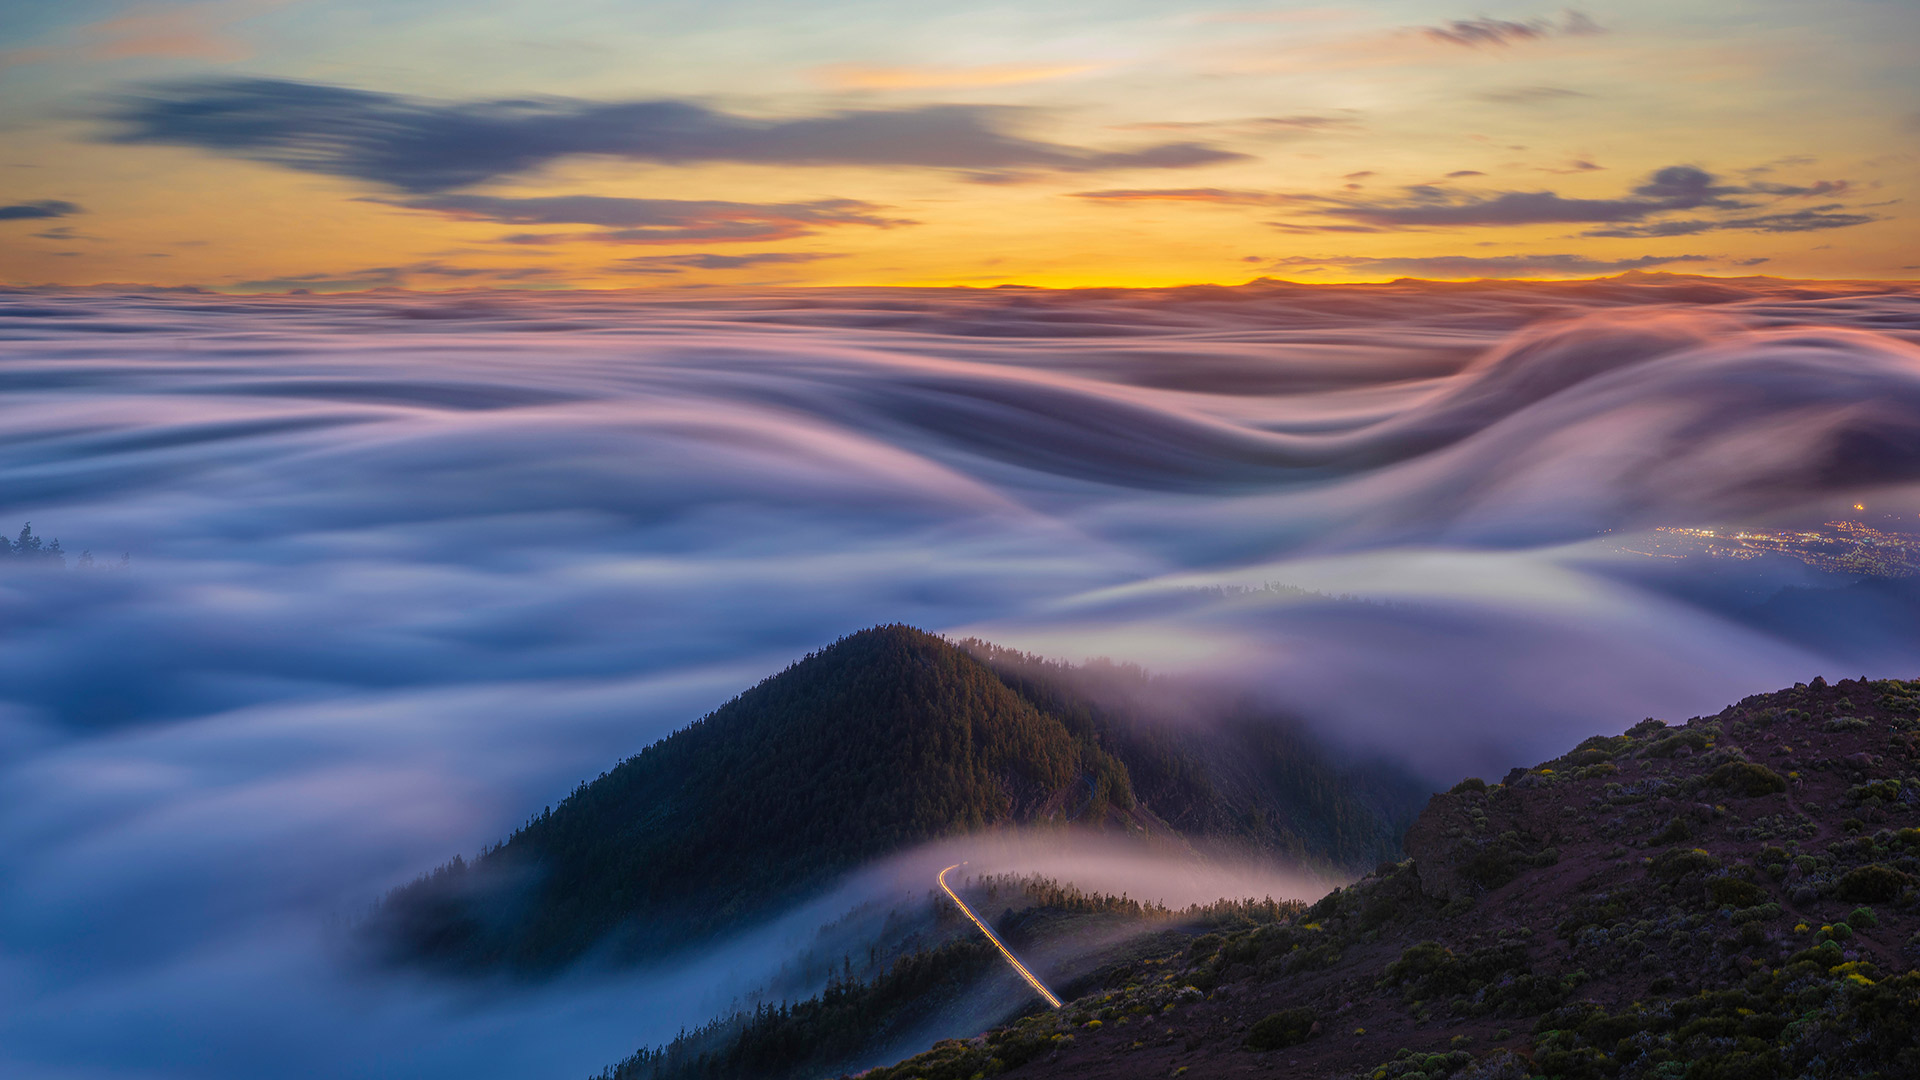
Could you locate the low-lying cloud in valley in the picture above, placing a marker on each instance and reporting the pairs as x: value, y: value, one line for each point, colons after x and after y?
x: 404, y: 569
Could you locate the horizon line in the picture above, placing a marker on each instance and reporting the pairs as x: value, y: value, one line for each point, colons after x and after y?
x: 1626, y: 276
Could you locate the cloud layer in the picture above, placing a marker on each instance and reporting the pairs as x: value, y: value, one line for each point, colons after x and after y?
x: 407, y: 568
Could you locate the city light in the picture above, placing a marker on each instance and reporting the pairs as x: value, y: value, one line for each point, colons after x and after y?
x: 1845, y: 547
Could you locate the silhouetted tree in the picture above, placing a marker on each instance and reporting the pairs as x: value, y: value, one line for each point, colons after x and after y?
x: 28, y: 547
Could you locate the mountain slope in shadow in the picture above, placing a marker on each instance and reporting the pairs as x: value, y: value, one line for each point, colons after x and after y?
x: 888, y: 738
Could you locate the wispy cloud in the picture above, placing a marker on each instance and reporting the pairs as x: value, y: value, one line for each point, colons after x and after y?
x: 1574, y: 167
x: 1645, y: 211
x: 1501, y: 33
x: 1529, y: 95
x: 1218, y: 196
x: 938, y: 77
x: 653, y: 221
x: 192, y: 31
x: 680, y: 264
x: 639, y: 213
x: 1255, y: 126
x: 1811, y: 219
x: 1678, y: 187
x: 1480, y: 266
x: 392, y: 277
x: 65, y: 233
x: 1641, y: 211
x: 38, y: 210
x: 421, y: 145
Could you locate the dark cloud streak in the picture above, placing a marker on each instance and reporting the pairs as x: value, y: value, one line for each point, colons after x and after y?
x: 1529, y: 95
x: 1812, y: 219
x: 677, y: 264
x: 1485, y: 266
x: 1503, y: 33
x: 38, y: 210
x: 1217, y: 196
x: 1675, y: 189
x: 420, y: 145
x: 653, y: 221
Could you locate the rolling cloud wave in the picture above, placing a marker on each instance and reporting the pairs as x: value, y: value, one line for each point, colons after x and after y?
x: 405, y: 568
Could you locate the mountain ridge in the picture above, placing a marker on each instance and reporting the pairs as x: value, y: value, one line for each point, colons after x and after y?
x: 888, y: 738
x: 1735, y: 898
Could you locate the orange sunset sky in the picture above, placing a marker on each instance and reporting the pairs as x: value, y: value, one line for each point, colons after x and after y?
x: 272, y: 145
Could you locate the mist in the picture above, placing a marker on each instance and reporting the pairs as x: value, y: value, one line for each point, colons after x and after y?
x: 404, y: 569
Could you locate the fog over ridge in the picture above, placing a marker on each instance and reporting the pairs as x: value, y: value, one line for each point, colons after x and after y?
x: 405, y: 568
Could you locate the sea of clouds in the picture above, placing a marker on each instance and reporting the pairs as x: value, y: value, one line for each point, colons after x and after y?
x: 404, y: 569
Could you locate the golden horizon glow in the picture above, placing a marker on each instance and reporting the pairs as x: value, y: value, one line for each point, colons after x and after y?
x: 1116, y: 146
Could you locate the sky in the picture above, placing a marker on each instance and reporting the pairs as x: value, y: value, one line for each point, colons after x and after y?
x: 344, y: 145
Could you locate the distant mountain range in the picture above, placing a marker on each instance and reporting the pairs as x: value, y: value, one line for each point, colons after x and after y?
x: 886, y: 739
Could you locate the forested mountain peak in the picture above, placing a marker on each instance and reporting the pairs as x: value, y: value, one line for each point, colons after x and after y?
x: 888, y: 738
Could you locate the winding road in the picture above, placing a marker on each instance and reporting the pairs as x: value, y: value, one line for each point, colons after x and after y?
x: 1032, y: 979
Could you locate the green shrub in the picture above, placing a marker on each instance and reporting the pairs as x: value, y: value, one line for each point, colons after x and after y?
x: 1757, y: 913
x: 1408, y: 1065
x: 1317, y: 958
x: 1471, y: 783
x: 1490, y: 867
x: 1607, y: 744
x: 1844, y: 723
x: 1826, y: 955
x: 1884, y: 790
x: 1276, y: 1031
x: 1864, y: 917
x: 1667, y: 747
x: 1747, y: 778
x: 1733, y: 892
x: 1873, y: 883
x: 1681, y: 862
x: 1422, y: 963
x: 1676, y: 831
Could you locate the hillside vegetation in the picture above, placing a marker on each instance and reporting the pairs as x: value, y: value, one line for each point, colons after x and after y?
x: 886, y: 739
x: 1737, y: 898
x: 897, y: 993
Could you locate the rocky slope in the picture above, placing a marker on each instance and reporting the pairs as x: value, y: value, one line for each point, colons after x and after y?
x: 1735, y: 897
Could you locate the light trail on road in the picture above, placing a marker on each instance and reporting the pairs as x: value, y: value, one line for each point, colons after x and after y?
x: 1032, y: 979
